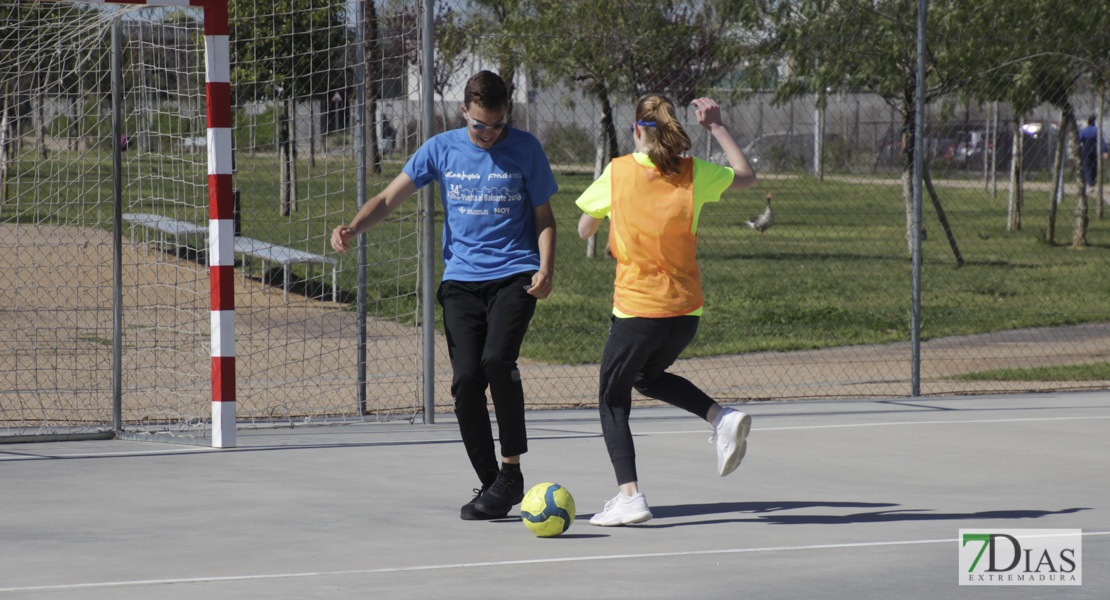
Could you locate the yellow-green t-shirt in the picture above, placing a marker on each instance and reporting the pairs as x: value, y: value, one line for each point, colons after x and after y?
x: 710, y: 181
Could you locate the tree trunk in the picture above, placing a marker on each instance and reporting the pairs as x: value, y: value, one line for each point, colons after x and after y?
x: 1057, y: 191
x: 374, y: 161
x: 607, y: 124
x: 942, y: 217
x: 292, y: 154
x: 1098, y: 161
x: 1082, y: 207
x: 1017, y: 190
x: 607, y: 147
x: 994, y: 152
x: 40, y: 126
x: 72, y: 109
x: 600, y: 152
x: 252, y: 127
x: 819, y: 136
x: 1082, y: 218
x: 284, y: 162
x: 82, y: 108
x: 508, y: 74
x: 5, y: 159
x: 312, y: 130
x: 370, y: 109
x: 908, y: 148
x: 283, y: 184
x: 986, y: 148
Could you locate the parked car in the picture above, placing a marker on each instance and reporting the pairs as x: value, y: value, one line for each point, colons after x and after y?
x: 962, y: 145
x: 776, y: 151
x: 890, y: 148
x: 1038, y: 144
x: 940, y: 141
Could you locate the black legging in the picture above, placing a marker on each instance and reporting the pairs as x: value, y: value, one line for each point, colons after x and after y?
x: 637, y: 355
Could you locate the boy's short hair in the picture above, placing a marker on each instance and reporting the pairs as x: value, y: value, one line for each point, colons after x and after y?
x: 487, y: 90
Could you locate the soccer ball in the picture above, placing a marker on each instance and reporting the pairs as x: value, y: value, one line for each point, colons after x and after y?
x: 547, y: 509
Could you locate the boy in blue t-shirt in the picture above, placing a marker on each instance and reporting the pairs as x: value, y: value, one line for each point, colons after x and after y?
x: 498, y: 254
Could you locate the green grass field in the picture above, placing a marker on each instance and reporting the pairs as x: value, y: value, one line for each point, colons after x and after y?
x: 1090, y: 372
x: 834, y: 269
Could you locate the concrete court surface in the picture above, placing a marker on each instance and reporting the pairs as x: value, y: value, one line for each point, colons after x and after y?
x: 836, y: 499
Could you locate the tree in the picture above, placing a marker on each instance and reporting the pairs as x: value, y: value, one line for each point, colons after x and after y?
x: 616, y: 50
x: 400, y: 44
x: 451, y: 56
x: 583, y: 45
x: 1084, y: 32
x: 373, y: 71
x: 852, y: 45
x: 1048, y: 73
x: 699, y: 48
x: 294, y: 49
x: 1061, y: 44
x: 165, y: 56
x: 492, y: 36
x: 453, y: 42
x: 34, y: 61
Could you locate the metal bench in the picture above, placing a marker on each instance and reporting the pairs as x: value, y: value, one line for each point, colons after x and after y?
x: 287, y: 257
x: 243, y: 245
x: 166, y: 226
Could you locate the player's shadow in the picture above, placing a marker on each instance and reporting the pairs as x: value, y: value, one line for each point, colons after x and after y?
x: 774, y: 513
x: 579, y: 536
x: 514, y: 519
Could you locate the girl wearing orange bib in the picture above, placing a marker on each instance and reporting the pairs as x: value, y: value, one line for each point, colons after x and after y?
x: 653, y: 198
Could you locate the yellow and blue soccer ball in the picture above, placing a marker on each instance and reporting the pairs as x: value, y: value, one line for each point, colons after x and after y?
x: 547, y: 509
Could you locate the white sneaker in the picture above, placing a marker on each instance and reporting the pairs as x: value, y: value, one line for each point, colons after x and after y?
x: 731, y: 435
x: 623, y: 510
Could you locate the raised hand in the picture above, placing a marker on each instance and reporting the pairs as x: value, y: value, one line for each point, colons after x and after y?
x: 708, y: 112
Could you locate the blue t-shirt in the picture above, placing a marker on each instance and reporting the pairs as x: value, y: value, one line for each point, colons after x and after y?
x: 1089, y: 147
x: 488, y: 197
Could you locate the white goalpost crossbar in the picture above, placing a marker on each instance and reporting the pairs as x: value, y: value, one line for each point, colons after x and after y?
x: 221, y: 230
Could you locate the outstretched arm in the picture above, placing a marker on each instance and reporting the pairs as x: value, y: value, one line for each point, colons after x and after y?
x: 373, y: 212
x: 709, y: 117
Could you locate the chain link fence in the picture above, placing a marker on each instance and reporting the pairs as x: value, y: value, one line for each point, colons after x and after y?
x: 327, y: 106
x: 820, y: 304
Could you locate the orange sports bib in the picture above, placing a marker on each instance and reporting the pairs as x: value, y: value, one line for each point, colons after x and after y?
x: 649, y: 235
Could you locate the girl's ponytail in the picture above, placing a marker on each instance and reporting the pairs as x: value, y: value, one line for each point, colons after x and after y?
x: 667, y: 139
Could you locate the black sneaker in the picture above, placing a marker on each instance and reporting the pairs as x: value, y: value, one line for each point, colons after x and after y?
x: 470, y: 513
x: 507, y: 490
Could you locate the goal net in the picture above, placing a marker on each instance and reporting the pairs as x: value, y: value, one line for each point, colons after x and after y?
x: 133, y: 337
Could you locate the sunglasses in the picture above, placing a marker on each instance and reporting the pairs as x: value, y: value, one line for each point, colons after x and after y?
x: 632, y: 128
x: 480, y: 126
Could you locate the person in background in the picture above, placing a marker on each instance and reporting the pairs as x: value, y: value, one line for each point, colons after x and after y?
x: 1091, y: 145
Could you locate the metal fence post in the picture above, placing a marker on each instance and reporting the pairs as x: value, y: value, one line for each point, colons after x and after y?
x: 359, y: 125
x: 918, y: 175
x: 117, y: 227
x: 428, y: 198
